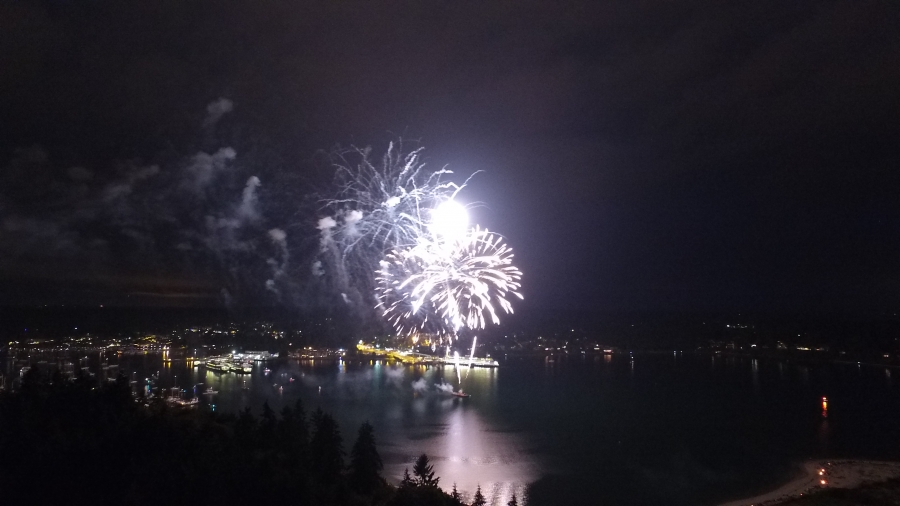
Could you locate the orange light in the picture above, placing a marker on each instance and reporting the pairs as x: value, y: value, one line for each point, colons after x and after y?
x: 822, y: 482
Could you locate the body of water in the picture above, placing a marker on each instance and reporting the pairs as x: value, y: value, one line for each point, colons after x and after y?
x: 666, y: 429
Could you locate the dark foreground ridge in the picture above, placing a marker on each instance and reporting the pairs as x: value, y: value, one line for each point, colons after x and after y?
x: 79, y: 442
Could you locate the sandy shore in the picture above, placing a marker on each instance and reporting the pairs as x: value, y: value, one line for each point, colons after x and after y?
x: 820, y: 474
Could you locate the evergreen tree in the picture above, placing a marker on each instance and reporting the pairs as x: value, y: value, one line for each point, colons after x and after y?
x: 284, y: 430
x: 293, y: 435
x: 302, y: 431
x: 267, y: 423
x: 406, y: 482
x: 424, y: 472
x: 455, y: 494
x: 479, y: 498
x: 365, y: 463
x: 513, y: 501
x: 326, y: 448
x: 245, y: 426
x: 293, y: 424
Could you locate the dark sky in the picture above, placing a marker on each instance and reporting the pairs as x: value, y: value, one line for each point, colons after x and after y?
x: 651, y: 156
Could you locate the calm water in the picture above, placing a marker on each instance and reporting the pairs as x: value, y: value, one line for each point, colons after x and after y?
x: 655, y: 429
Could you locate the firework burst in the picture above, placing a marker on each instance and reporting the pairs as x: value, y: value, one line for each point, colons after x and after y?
x: 441, y: 286
x: 380, y: 208
x: 374, y: 208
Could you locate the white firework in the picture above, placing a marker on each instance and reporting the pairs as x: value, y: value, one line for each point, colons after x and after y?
x: 442, y: 286
x: 377, y: 209
x: 374, y: 209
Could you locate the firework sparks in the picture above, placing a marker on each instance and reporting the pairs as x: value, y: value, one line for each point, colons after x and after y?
x: 442, y: 286
x: 377, y: 208
x: 472, y: 355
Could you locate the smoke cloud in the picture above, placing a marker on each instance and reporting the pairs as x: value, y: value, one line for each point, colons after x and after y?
x: 204, y: 168
x: 420, y: 385
x: 195, y: 217
x: 124, y: 187
x: 394, y: 376
x: 443, y: 386
x: 215, y: 110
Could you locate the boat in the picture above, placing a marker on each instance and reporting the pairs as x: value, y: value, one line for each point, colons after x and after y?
x: 245, y: 368
x: 460, y: 394
x: 175, y: 401
x: 210, y: 391
x: 218, y: 365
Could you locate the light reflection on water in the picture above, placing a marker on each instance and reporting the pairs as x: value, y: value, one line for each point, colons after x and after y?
x: 464, y: 448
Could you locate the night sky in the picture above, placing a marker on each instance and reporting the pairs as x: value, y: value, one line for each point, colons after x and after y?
x: 638, y: 156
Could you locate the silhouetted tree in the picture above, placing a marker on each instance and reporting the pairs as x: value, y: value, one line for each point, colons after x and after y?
x: 455, y: 494
x: 421, y: 496
x: 294, y: 432
x: 327, y: 453
x: 245, y: 429
x: 407, y: 482
x: 513, y: 501
x: 293, y: 426
x: 479, y: 499
x: 267, y: 424
x: 365, y: 463
x: 424, y: 472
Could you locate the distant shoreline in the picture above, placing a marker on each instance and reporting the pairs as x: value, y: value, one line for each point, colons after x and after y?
x: 819, y: 474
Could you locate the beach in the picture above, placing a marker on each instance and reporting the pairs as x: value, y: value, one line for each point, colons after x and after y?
x: 819, y: 474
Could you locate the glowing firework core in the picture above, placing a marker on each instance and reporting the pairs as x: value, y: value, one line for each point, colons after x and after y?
x: 449, y: 221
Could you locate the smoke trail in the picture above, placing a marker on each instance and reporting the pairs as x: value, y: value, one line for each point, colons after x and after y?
x: 279, y: 239
x: 247, y: 210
